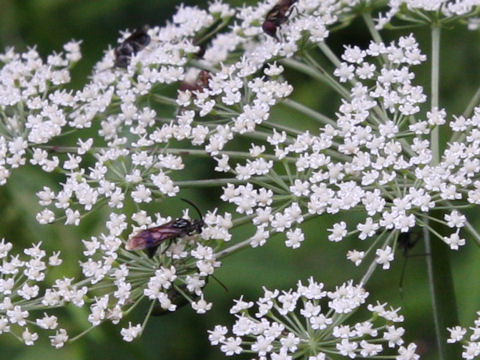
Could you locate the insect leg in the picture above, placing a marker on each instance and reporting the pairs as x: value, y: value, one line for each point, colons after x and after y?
x: 170, y: 241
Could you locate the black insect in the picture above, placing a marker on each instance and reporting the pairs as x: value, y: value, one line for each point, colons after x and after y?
x: 277, y: 16
x: 150, y: 239
x: 130, y: 46
x: 407, y: 241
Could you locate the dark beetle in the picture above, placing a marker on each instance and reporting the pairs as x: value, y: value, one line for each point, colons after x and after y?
x: 150, y: 239
x: 277, y: 16
x: 130, y: 46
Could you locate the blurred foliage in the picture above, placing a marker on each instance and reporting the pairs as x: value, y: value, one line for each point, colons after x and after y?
x: 48, y: 24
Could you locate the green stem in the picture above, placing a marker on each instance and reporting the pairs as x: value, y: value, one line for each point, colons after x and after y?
x: 165, y: 100
x: 149, y: 313
x: 309, y: 112
x: 373, y: 265
x: 290, y: 131
x: 471, y: 105
x: 230, y: 250
x: 86, y: 331
x: 474, y: 232
x: 367, y: 17
x: 460, y: 136
x: 435, y: 136
x: 329, y: 54
x: 438, y: 263
x: 318, y: 74
x: 442, y: 291
x: 221, y: 181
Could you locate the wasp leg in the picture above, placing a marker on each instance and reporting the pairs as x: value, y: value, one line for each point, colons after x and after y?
x: 151, y: 251
x: 170, y: 241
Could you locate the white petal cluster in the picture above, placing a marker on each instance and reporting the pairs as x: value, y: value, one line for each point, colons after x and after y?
x: 24, y: 298
x: 419, y: 10
x: 298, y: 322
x: 372, y: 154
x: 470, y: 338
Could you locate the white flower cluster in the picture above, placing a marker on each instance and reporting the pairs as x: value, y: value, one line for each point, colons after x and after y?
x: 419, y: 11
x: 23, y: 295
x: 174, y: 276
x: 471, y: 345
x: 34, y: 108
x: 312, y: 323
x: 373, y: 156
x: 368, y: 157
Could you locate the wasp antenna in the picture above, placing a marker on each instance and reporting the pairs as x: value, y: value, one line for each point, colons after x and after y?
x: 194, y: 206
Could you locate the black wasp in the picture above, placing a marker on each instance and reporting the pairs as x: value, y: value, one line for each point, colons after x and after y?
x: 130, y: 46
x: 277, y: 16
x: 150, y: 239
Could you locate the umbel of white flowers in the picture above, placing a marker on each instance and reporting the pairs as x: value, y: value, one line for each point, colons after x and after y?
x: 311, y: 323
x: 372, y: 155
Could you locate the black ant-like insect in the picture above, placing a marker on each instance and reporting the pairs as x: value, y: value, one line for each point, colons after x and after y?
x: 407, y: 241
x: 150, y: 239
x: 277, y: 16
x: 130, y: 46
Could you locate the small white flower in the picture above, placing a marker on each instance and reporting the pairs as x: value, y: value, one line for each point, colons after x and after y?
x: 456, y: 334
x: 201, y: 306
x: 384, y: 257
x: 29, y: 338
x: 454, y: 241
x: 338, y: 232
x: 59, y: 339
x: 294, y: 238
x: 130, y: 333
x: 355, y: 256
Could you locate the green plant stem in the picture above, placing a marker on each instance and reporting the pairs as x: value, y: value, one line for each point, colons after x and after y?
x: 318, y: 74
x: 367, y: 17
x: 474, y: 232
x: 308, y: 111
x: 290, y: 131
x: 149, y: 313
x: 460, y: 136
x: 442, y: 291
x: 373, y: 265
x: 86, y: 331
x: 438, y: 262
x: 471, y: 105
x: 230, y: 250
x: 220, y: 181
x: 329, y: 54
x: 435, y: 135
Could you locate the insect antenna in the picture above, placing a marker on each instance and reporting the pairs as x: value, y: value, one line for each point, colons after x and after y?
x: 194, y: 206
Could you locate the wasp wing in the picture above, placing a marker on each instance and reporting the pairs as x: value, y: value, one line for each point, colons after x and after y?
x: 153, y: 237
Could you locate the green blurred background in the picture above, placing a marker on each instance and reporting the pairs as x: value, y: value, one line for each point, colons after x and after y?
x: 48, y: 24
